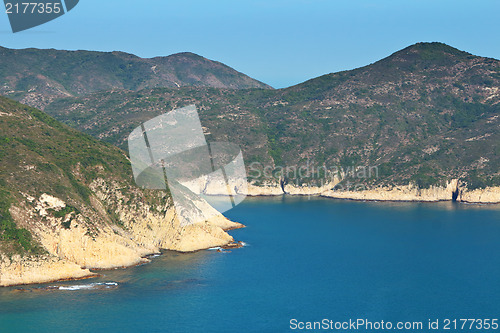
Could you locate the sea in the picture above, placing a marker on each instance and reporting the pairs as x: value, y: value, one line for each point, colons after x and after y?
x: 308, y: 264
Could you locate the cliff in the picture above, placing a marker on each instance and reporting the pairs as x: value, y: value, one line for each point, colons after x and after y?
x: 453, y: 190
x: 68, y: 204
x: 73, y: 250
x: 486, y: 195
x: 399, y: 193
x: 37, y: 269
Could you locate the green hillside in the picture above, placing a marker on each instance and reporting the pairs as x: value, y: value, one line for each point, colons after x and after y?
x: 40, y: 155
x: 37, y: 77
x: 424, y: 114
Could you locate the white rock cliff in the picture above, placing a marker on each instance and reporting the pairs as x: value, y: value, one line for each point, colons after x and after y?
x: 78, y: 244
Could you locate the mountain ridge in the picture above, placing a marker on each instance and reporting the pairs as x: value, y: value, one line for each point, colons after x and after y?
x: 426, y: 114
x: 39, y: 76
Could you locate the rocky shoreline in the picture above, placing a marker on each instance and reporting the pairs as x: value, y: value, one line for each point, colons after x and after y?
x: 75, y: 249
x: 72, y: 253
x: 452, y: 192
x: 17, y: 270
x: 42, y: 269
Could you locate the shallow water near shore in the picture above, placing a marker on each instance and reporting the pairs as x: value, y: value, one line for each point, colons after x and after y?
x: 306, y: 258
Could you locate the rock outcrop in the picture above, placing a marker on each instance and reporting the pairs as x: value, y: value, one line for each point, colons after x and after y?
x: 18, y: 270
x: 453, y: 191
x: 265, y: 190
x: 399, y: 193
x: 294, y: 189
x: 75, y: 244
x: 486, y: 195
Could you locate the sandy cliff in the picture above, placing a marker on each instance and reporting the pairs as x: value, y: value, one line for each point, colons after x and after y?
x: 486, y: 195
x: 79, y: 241
x: 17, y: 270
x: 399, y: 193
x: 452, y: 190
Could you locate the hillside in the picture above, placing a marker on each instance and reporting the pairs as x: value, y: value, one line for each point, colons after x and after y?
x: 68, y: 203
x: 36, y: 77
x: 424, y: 115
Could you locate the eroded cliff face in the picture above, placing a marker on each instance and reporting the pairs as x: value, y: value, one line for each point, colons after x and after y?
x: 39, y: 269
x: 295, y: 189
x: 119, y: 228
x: 486, y: 195
x: 399, y: 193
x: 157, y: 226
x: 453, y: 190
x: 264, y: 190
x: 280, y: 188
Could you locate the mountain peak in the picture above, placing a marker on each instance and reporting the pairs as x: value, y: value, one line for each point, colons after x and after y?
x: 429, y: 52
x: 38, y: 76
x: 186, y: 55
x: 434, y: 47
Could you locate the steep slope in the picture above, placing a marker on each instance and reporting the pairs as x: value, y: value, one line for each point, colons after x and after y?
x: 36, y: 77
x: 68, y: 203
x: 426, y: 114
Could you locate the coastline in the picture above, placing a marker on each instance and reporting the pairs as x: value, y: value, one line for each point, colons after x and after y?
x: 72, y: 255
x: 72, y: 252
x: 21, y: 271
x: 405, y: 193
x: 454, y: 190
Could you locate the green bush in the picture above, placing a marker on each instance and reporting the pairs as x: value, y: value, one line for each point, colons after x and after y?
x: 8, y: 228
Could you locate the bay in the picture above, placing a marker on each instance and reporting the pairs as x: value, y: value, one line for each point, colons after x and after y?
x: 307, y: 259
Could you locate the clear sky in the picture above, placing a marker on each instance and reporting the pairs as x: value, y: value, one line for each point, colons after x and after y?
x: 279, y: 42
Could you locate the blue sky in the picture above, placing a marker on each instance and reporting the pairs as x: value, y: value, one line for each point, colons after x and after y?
x: 278, y: 42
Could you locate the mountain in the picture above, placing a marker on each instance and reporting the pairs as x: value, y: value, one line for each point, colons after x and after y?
x: 36, y: 77
x: 68, y: 203
x: 426, y: 120
x: 424, y: 115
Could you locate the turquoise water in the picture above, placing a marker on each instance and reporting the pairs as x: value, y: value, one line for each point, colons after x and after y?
x: 305, y: 259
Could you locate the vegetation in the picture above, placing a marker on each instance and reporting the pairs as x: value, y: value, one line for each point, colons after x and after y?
x: 40, y: 155
x: 19, y: 238
x: 423, y: 114
x: 65, y: 211
x: 54, y: 73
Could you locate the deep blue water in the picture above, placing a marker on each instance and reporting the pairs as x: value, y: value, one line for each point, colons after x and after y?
x: 307, y: 259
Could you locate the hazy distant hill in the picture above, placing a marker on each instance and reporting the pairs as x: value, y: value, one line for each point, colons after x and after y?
x: 36, y: 77
x: 424, y: 114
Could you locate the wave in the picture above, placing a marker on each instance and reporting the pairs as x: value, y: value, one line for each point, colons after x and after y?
x: 90, y: 286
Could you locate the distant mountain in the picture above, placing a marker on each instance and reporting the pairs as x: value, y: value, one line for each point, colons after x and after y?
x: 425, y: 114
x: 37, y: 77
